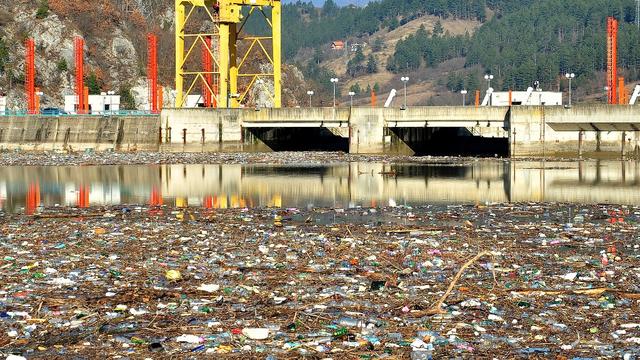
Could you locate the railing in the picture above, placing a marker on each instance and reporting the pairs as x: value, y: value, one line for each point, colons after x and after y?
x: 99, y: 113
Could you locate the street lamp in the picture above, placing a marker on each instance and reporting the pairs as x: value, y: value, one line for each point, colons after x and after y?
x: 464, y: 97
x: 405, y: 80
x: 351, y: 94
x: 39, y: 94
x: 570, y: 77
x: 310, y: 93
x: 110, y: 95
x: 334, y: 81
x: 489, y: 77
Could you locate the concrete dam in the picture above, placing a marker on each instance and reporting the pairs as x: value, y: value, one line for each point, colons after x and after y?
x: 527, y: 131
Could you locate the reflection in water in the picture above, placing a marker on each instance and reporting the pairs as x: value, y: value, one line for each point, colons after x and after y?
x: 23, y: 189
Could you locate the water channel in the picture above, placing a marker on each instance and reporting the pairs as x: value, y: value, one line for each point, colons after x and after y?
x: 22, y: 189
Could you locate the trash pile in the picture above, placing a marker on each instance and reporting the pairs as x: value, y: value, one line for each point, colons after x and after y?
x: 90, y: 157
x: 499, y: 281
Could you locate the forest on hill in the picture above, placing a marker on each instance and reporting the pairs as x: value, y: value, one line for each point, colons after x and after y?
x: 520, y: 41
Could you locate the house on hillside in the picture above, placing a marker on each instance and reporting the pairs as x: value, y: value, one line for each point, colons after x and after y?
x: 337, y: 45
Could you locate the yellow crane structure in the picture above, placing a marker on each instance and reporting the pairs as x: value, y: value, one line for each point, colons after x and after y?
x: 227, y: 20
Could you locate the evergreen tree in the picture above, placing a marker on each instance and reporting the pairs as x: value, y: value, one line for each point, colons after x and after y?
x: 330, y: 8
x: 372, y: 65
x: 355, y: 66
x: 438, y: 29
x: 4, y: 55
x: 94, y: 84
x: 43, y: 9
x: 127, y: 101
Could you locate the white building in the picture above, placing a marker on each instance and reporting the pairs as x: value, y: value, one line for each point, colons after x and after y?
x: 526, y: 98
x: 3, y: 104
x: 194, y: 101
x: 104, y: 103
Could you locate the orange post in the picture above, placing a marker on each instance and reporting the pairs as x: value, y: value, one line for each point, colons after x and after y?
x: 477, y: 98
x: 622, y: 95
x: 152, y: 71
x: 373, y: 98
x: 612, y: 60
x: 29, y: 83
x: 160, y: 97
x: 79, y: 62
x: 85, y: 101
x: 37, y: 100
x: 510, y: 97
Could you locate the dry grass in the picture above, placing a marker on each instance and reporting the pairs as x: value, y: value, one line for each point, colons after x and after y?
x: 420, y: 92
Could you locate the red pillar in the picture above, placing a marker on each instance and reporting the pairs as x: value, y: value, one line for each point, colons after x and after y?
x: 30, y: 78
x: 33, y: 198
x: 79, y: 62
x: 612, y: 60
x: 83, y: 197
x: 207, y: 68
x: 152, y: 72
x: 156, y: 197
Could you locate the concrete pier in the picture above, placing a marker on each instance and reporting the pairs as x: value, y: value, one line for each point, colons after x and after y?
x: 586, y: 130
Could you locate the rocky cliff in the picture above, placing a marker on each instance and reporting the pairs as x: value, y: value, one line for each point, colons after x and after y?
x: 115, y: 48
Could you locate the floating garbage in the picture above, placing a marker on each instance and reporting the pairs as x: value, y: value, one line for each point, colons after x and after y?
x: 404, y: 282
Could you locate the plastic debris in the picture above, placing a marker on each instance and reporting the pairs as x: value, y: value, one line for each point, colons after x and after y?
x: 280, y: 283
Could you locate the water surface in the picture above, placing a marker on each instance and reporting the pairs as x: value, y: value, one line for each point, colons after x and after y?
x: 334, y: 185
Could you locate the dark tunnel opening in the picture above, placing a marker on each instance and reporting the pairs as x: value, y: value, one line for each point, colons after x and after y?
x: 450, y: 141
x: 298, y: 139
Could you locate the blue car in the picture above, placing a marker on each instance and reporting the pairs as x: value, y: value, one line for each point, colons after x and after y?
x: 52, y: 111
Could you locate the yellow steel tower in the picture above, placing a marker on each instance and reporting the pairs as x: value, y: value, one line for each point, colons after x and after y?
x: 227, y: 23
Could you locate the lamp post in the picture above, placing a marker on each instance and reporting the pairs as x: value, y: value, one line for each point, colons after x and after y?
x: 39, y: 95
x: 259, y: 83
x: 109, y: 98
x: 606, y: 94
x: 464, y: 97
x: 334, y: 81
x: 310, y: 93
x: 570, y: 76
x: 405, y: 80
x: 488, y: 77
x: 351, y: 94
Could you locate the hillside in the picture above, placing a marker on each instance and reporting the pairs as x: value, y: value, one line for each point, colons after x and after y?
x: 382, y: 46
x: 442, y: 46
x: 115, y: 51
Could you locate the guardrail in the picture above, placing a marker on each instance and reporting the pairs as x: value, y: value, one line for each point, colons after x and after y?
x: 101, y: 113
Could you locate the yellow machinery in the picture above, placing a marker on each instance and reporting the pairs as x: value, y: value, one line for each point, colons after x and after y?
x: 227, y: 23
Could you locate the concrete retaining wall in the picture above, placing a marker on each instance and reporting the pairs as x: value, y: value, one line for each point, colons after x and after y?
x: 553, y: 131
x: 121, y: 133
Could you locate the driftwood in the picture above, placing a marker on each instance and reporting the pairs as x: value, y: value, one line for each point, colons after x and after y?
x: 437, y: 307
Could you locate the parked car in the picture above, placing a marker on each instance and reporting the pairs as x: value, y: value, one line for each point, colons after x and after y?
x: 52, y: 111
